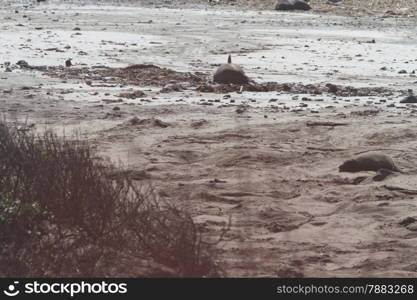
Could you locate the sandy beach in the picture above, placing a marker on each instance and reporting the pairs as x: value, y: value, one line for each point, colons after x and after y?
x: 264, y: 156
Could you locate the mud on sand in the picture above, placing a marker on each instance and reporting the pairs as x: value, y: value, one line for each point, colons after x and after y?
x: 266, y: 159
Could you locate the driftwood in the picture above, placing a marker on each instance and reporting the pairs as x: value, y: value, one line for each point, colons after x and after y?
x: 331, y: 124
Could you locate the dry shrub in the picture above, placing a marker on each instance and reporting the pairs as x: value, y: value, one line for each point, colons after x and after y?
x: 61, y: 214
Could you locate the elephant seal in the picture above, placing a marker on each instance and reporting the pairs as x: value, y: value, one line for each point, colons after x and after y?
x: 230, y: 73
x: 293, y: 5
x: 369, y: 162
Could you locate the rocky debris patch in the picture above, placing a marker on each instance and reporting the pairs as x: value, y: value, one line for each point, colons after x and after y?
x: 365, y: 113
x: 369, y: 162
x: 138, y: 75
x: 296, y: 88
x: 173, y: 81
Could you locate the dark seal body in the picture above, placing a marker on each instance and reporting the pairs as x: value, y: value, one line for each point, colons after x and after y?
x: 369, y: 162
x: 230, y: 73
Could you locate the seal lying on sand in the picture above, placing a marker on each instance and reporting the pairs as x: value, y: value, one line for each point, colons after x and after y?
x: 369, y: 162
x: 230, y: 73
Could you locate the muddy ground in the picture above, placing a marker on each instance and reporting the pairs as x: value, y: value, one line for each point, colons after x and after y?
x: 265, y: 155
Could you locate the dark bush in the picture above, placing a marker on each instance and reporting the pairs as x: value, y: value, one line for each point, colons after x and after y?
x: 61, y: 214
